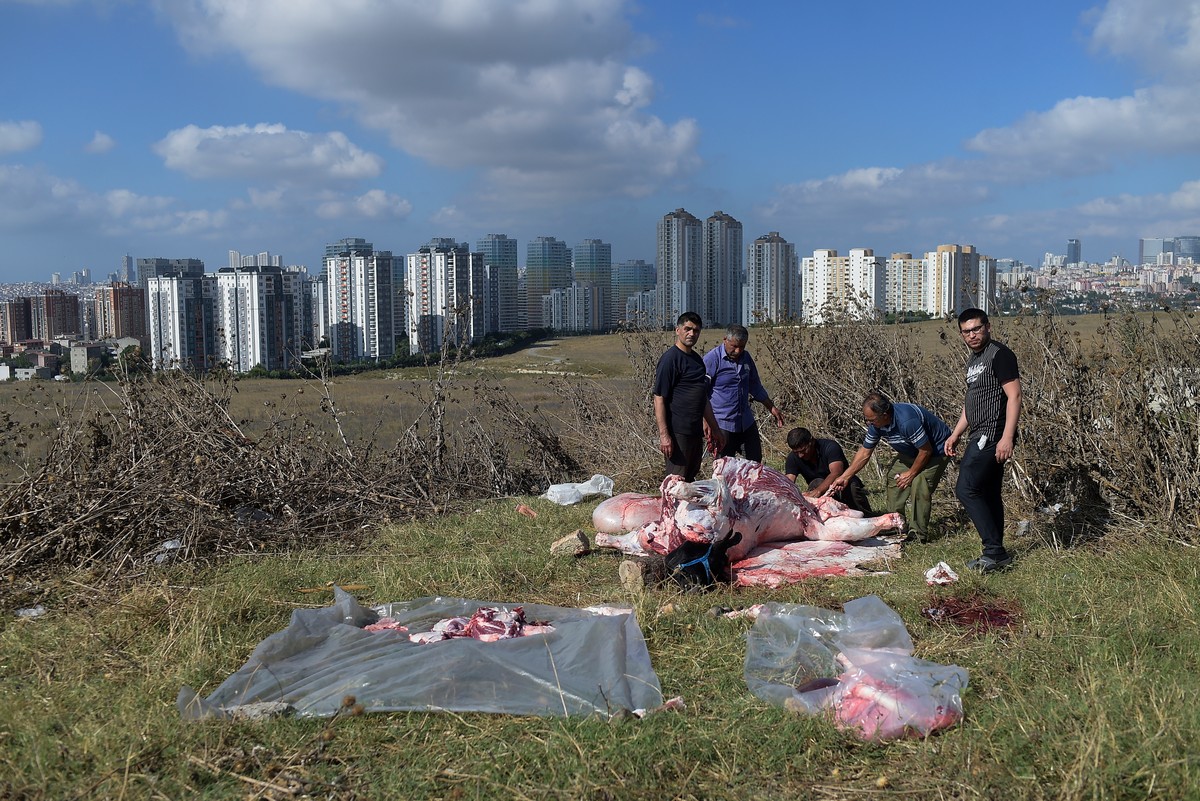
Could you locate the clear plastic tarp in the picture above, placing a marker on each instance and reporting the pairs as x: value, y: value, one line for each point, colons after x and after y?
x: 593, y: 662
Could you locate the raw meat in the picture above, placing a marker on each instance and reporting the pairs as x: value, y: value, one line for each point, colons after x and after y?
x: 625, y: 512
x: 487, y: 624
x: 777, y: 564
x: 767, y: 510
x: 878, y: 708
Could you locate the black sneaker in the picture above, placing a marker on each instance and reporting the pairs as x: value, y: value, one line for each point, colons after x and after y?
x: 986, y: 564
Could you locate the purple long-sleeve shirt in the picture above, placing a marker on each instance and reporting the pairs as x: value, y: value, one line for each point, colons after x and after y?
x: 734, y: 383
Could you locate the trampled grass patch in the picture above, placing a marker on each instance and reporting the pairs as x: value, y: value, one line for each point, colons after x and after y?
x: 1086, y: 695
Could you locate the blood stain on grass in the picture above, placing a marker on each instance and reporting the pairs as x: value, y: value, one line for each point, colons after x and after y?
x: 977, y: 611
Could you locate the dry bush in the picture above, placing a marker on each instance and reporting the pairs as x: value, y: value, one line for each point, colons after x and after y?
x: 160, y: 460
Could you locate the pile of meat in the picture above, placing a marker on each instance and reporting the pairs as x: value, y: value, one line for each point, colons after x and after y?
x: 785, y: 536
x: 486, y: 624
x: 857, y: 667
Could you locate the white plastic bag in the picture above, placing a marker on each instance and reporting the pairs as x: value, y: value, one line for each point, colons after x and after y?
x: 567, y: 494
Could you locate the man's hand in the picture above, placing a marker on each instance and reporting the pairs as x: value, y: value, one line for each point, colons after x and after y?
x: 778, y: 415
x: 664, y: 445
x: 904, y: 480
x: 951, y: 441
x: 837, y: 486
x: 1004, y: 449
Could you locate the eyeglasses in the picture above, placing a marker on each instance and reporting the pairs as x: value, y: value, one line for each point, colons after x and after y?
x: 968, y: 331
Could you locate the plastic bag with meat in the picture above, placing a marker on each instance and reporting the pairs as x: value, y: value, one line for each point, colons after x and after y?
x: 856, y: 666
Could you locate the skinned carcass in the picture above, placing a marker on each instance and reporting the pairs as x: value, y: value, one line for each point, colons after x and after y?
x: 775, y: 535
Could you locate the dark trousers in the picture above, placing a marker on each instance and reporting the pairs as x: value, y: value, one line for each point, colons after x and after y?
x: 748, y: 442
x: 854, y: 495
x: 980, y: 479
x: 685, y: 456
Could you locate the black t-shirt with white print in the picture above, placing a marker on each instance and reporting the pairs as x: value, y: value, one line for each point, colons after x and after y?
x: 986, y: 404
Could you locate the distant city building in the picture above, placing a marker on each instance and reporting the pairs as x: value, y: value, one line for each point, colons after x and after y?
x: 644, y: 310
x: 444, y: 279
x: 772, y: 289
x: 592, y: 266
x: 348, y: 247
x: 55, y: 314
x: 258, y: 317
x: 1187, y: 250
x: 629, y: 278
x: 547, y: 267
x: 179, y: 316
x: 1156, y: 251
x: 16, y: 324
x: 907, y: 283
x: 960, y: 280
x: 679, y: 260
x: 128, y: 272
x: 360, y: 305
x: 833, y: 285
x: 721, y: 271
x: 1074, y: 252
x: 119, y: 311
x: 577, y: 309
x: 501, y: 301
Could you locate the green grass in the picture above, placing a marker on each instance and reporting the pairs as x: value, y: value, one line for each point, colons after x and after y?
x: 1088, y: 696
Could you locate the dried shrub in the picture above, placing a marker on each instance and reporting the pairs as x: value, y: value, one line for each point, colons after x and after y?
x: 159, y: 469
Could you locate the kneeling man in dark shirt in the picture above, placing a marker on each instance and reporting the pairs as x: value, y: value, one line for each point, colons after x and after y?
x: 819, y: 462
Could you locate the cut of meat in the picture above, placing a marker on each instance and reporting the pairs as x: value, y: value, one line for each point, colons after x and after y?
x: 777, y: 564
x: 487, y: 624
x: 625, y: 512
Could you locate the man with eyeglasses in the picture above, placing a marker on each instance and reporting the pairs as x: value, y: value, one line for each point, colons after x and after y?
x: 681, y: 402
x: 991, y: 411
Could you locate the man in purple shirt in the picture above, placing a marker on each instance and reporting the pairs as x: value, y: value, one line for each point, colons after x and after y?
x: 735, y: 381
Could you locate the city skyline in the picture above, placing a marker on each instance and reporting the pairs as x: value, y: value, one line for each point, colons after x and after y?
x: 188, y: 130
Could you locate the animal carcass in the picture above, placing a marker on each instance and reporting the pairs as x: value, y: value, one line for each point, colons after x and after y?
x: 784, y: 536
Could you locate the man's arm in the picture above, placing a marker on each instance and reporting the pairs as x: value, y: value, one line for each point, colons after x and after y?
x: 959, y: 428
x: 713, y: 431
x: 835, y: 471
x: 1012, y: 413
x: 664, y: 432
x: 857, y: 463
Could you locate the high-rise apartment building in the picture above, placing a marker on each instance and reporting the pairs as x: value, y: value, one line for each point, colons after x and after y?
x: 592, y: 266
x: 258, y: 317
x: 577, y: 309
x: 360, y: 303
x: 547, y: 267
x: 15, y: 325
x: 55, y: 314
x: 444, y: 280
x: 120, y: 311
x: 501, y: 301
x: 721, y: 271
x: 833, y: 285
x: 179, y: 317
x: 906, y: 283
x: 680, y: 259
x: 1187, y: 249
x: 772, y: 290
x: 630, y: 278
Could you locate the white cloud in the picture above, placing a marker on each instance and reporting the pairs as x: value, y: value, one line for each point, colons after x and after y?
x: 535, y: 90
x: 101, y: 143
x: 266, y: 152
x: 375, y: 204
x: 18, y: 136
x: 1084, y: 135
x: 1162, y: 35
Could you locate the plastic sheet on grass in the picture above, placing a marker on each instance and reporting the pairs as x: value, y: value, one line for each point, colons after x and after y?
x: 568, y: 494
x: 856, y: 665
x: 594, y: 662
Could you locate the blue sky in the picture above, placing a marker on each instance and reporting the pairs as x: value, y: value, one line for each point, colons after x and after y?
x: 188, y: 128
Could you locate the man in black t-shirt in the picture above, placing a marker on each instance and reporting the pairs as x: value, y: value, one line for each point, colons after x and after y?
x: 819, y: 461
x: 681, y: 407
x: 991, y: 410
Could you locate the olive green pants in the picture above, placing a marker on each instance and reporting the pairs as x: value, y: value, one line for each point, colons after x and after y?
x: 921, y: 490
